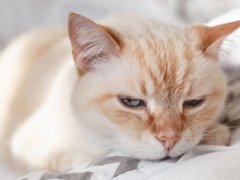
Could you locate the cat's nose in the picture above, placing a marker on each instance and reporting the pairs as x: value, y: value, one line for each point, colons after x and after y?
x: 168, y: 140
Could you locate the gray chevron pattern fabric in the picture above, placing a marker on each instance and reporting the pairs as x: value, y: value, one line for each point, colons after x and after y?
x: 115, y: 165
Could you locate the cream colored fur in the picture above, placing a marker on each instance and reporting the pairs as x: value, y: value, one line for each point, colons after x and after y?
x: 47, y: 119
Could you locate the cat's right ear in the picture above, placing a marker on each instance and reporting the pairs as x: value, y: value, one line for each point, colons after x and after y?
x: 90, y: 42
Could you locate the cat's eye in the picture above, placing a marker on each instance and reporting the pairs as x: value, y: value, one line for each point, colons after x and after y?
x: 131, y: 102
x: 193, y: 103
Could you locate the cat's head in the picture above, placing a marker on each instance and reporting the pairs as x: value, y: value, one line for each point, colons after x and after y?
x: 145, y: 88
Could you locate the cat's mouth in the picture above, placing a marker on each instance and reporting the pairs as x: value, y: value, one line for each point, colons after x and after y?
x: 167, y: 157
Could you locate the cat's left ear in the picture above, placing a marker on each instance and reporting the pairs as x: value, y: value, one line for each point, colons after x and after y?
x: 212, y: 38
x: 90, y: 42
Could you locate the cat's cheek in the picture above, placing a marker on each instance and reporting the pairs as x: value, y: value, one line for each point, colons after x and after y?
x: 186, y: 143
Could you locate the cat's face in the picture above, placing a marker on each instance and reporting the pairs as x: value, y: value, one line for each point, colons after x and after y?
x: 148, y: 97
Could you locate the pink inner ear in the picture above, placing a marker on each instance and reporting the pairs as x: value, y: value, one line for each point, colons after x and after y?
x: 210, y: 35
x: 90, y: 43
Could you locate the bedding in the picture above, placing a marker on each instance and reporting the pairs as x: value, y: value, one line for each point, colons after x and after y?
x: 206, y: 162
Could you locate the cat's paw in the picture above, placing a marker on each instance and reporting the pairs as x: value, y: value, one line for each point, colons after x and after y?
x: 67, y: 160
x: 60, y: 163
x: 216, y: 134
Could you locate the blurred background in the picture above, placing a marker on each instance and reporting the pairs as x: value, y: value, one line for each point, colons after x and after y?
x: 17, y: 16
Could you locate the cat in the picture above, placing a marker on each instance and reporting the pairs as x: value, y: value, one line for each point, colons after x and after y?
x: 133, y: 85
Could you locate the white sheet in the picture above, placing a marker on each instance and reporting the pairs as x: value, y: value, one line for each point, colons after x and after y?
x: 202, y: 163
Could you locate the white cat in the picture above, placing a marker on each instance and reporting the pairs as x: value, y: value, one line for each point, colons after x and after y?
x: 138, y: 86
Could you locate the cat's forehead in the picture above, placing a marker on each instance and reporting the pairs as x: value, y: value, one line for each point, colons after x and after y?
x: 163, y: 66
x: 157, y: 59
x: 132, y: 26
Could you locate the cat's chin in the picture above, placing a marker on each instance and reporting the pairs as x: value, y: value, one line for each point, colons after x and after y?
x: 175, y: 155
x: 177, y: 152
x: 152, y: 157
x: 162, y: 157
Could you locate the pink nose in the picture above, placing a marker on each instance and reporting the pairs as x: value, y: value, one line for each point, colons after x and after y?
x: 168, y: 140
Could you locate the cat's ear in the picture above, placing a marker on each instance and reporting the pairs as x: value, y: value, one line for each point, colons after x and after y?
x: 90, y: 42
x: 212, y: 38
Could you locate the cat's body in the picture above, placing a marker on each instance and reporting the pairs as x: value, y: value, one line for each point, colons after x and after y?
x: 26, y: 88
x: 54, y: 115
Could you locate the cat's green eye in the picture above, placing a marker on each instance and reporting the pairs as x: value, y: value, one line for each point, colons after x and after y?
x: 130, y: 102
x: 193, y: 103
